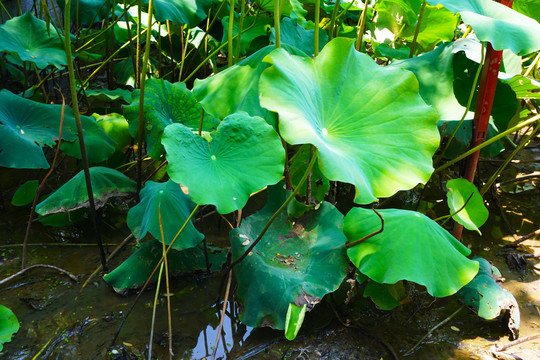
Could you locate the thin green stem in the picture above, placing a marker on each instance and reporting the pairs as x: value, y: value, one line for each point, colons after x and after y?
x: 446, y: 217
x: 230, y: 52
x: 317, y: 26
x: 333, y: 20
x: 278, y: 211
x: 533, y: 65
x: 417, y: 30
x: 240, y: 26
x: 277, y: 18
x: 361, y: 27
x: 166, y: 282
x: 154, y: 313
x: 489, y: 142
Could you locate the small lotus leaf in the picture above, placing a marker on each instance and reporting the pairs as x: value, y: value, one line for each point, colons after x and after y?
x: 106, y: 183
x: 486, y: 298
x: 175, y: 209
x: 503, y: 27
x: 412, y: 247
x: 106, y: 95
x: 164, y: 104
x: 221, y: 94
x: 319, y: 183
x: 291, y: 8
x: 9, y: 325
x: 244, y: 156
x: 31, y: 39
x: 294, y: 320
x: 295, y: 262
x: 394, y: 14
x: 252, y: 28
x: 475, y: 213
x: 134, y: 271
x: 26, y: 126
x: 116, y: 127
x: 531, y: 8
x: 385, y: 296
x: 369, y: 123
x: 295, y: 35
x: 25, y: 193
x: 190, y: 12
x: 87, y: 12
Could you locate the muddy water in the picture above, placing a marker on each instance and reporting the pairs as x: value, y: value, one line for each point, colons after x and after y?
x: 61, y: 320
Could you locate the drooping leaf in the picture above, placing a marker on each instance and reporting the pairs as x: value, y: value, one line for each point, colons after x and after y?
x: 244, y: 156
x: 106, y: 95
x: 86, y: 12
x: 486, y: 298
x: 190, y: 12
x: 134, y: 271
x: 26, y: 126
x: 319, y: 183
x: 175, y: 209
x: 491, y: 21
x: 475, y: 213
x: 295, y: 262
x: 412, y: 247
x: 29, y: 38
x: 165, y: 103
x: 295, y: 35
x: 294, y: 320
x: 237, y: 88
x: 385, y: 296
x: 370, y: 125
x: 252, y: 28
x: 106, y: 183
x: 9, y: 325
x: 25, y: 193
x: 116, y: 127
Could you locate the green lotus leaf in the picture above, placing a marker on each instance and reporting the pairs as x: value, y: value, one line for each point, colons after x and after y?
x: 498, y: 24
x: 26, y: 126
x: 295, y: 35
x: 294, y: 320
x: 295, y: 262
x: 530, y: 8
x: 99, y: 146
x: 412, y: 247
x: 64, y: 219
x: 9, y: 325
x: 237, y: 88
x: 291, y: 8
x: 134, y: 271
x: 254, y: 29
x: 164, y: 104
x: 394, y: 14
x: 524, y: 87
x: 190, y: 12
x: 86, y: 12
x: 25, y: 193
x: 370, y: 125
x: 116, y: 127
x: 244, y: 156
x: 486, y: 298
x: 106, y: 95
x: 475, y: 213
x: 31, y: 39
x: 385, y: 296
x: 106, y: 183
x: 175, y: 209
x: 319, y: 183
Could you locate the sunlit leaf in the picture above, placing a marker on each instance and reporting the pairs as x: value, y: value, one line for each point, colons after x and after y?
x: 475, y: 213
x: 9, y: 325
x: 295, y: 35
x: 250, y: 30
x: 190, y: 12
x: 294, y: 320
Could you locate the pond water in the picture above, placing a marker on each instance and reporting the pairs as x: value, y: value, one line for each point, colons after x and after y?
x: 61, y: 320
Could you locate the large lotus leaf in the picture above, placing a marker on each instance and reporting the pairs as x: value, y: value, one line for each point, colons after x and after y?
x: 252, y: 28
x: 498, y: 24
x: 99, y: 146
x: 244, y: 156
x: 106, y: 183
x: 175, y: 209
x: 9, y: 325
x: 412, y: 247
x: 29, y: 37
x: 475, y: 213
x: 26, y: 126
x: 295, y: 262
x: 134, y: 271
x: 369, y: 123
x: 164, y: 104
x: 295, y: 35
x: 394, y: 14
x: 190, y: 12
x: 484, y: 295
x: 237, y: 88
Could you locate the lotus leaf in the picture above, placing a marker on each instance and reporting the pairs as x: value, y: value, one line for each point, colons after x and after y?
x: 319, y: 184
x: 369, y: 123
x: 531, y: 8
x: 175, y: 209
x: 26, y: 126
x: 412, y: 247
x: 385, y: 296
x: 503, y: 27
x: 221, y: 96
x: 105, y: 95
x: 25, y: 193
x: 106, y: 183
x: 87, y: 12
x: 291, y: 8
x: 252, y: 28
x: 524, y: 87
x: 134, y: 271
x: 244, y: 156
x: 295, y: 262
x: 295, y: 35
x: 9, y: 325
x: 190, y: 12
x: 164, y: 104
x: 294, y: 320
x: 116, y: 127
x: 31, y: 39
x: 394, y: 14
x: 486, y: 298
x: 475, y: 213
